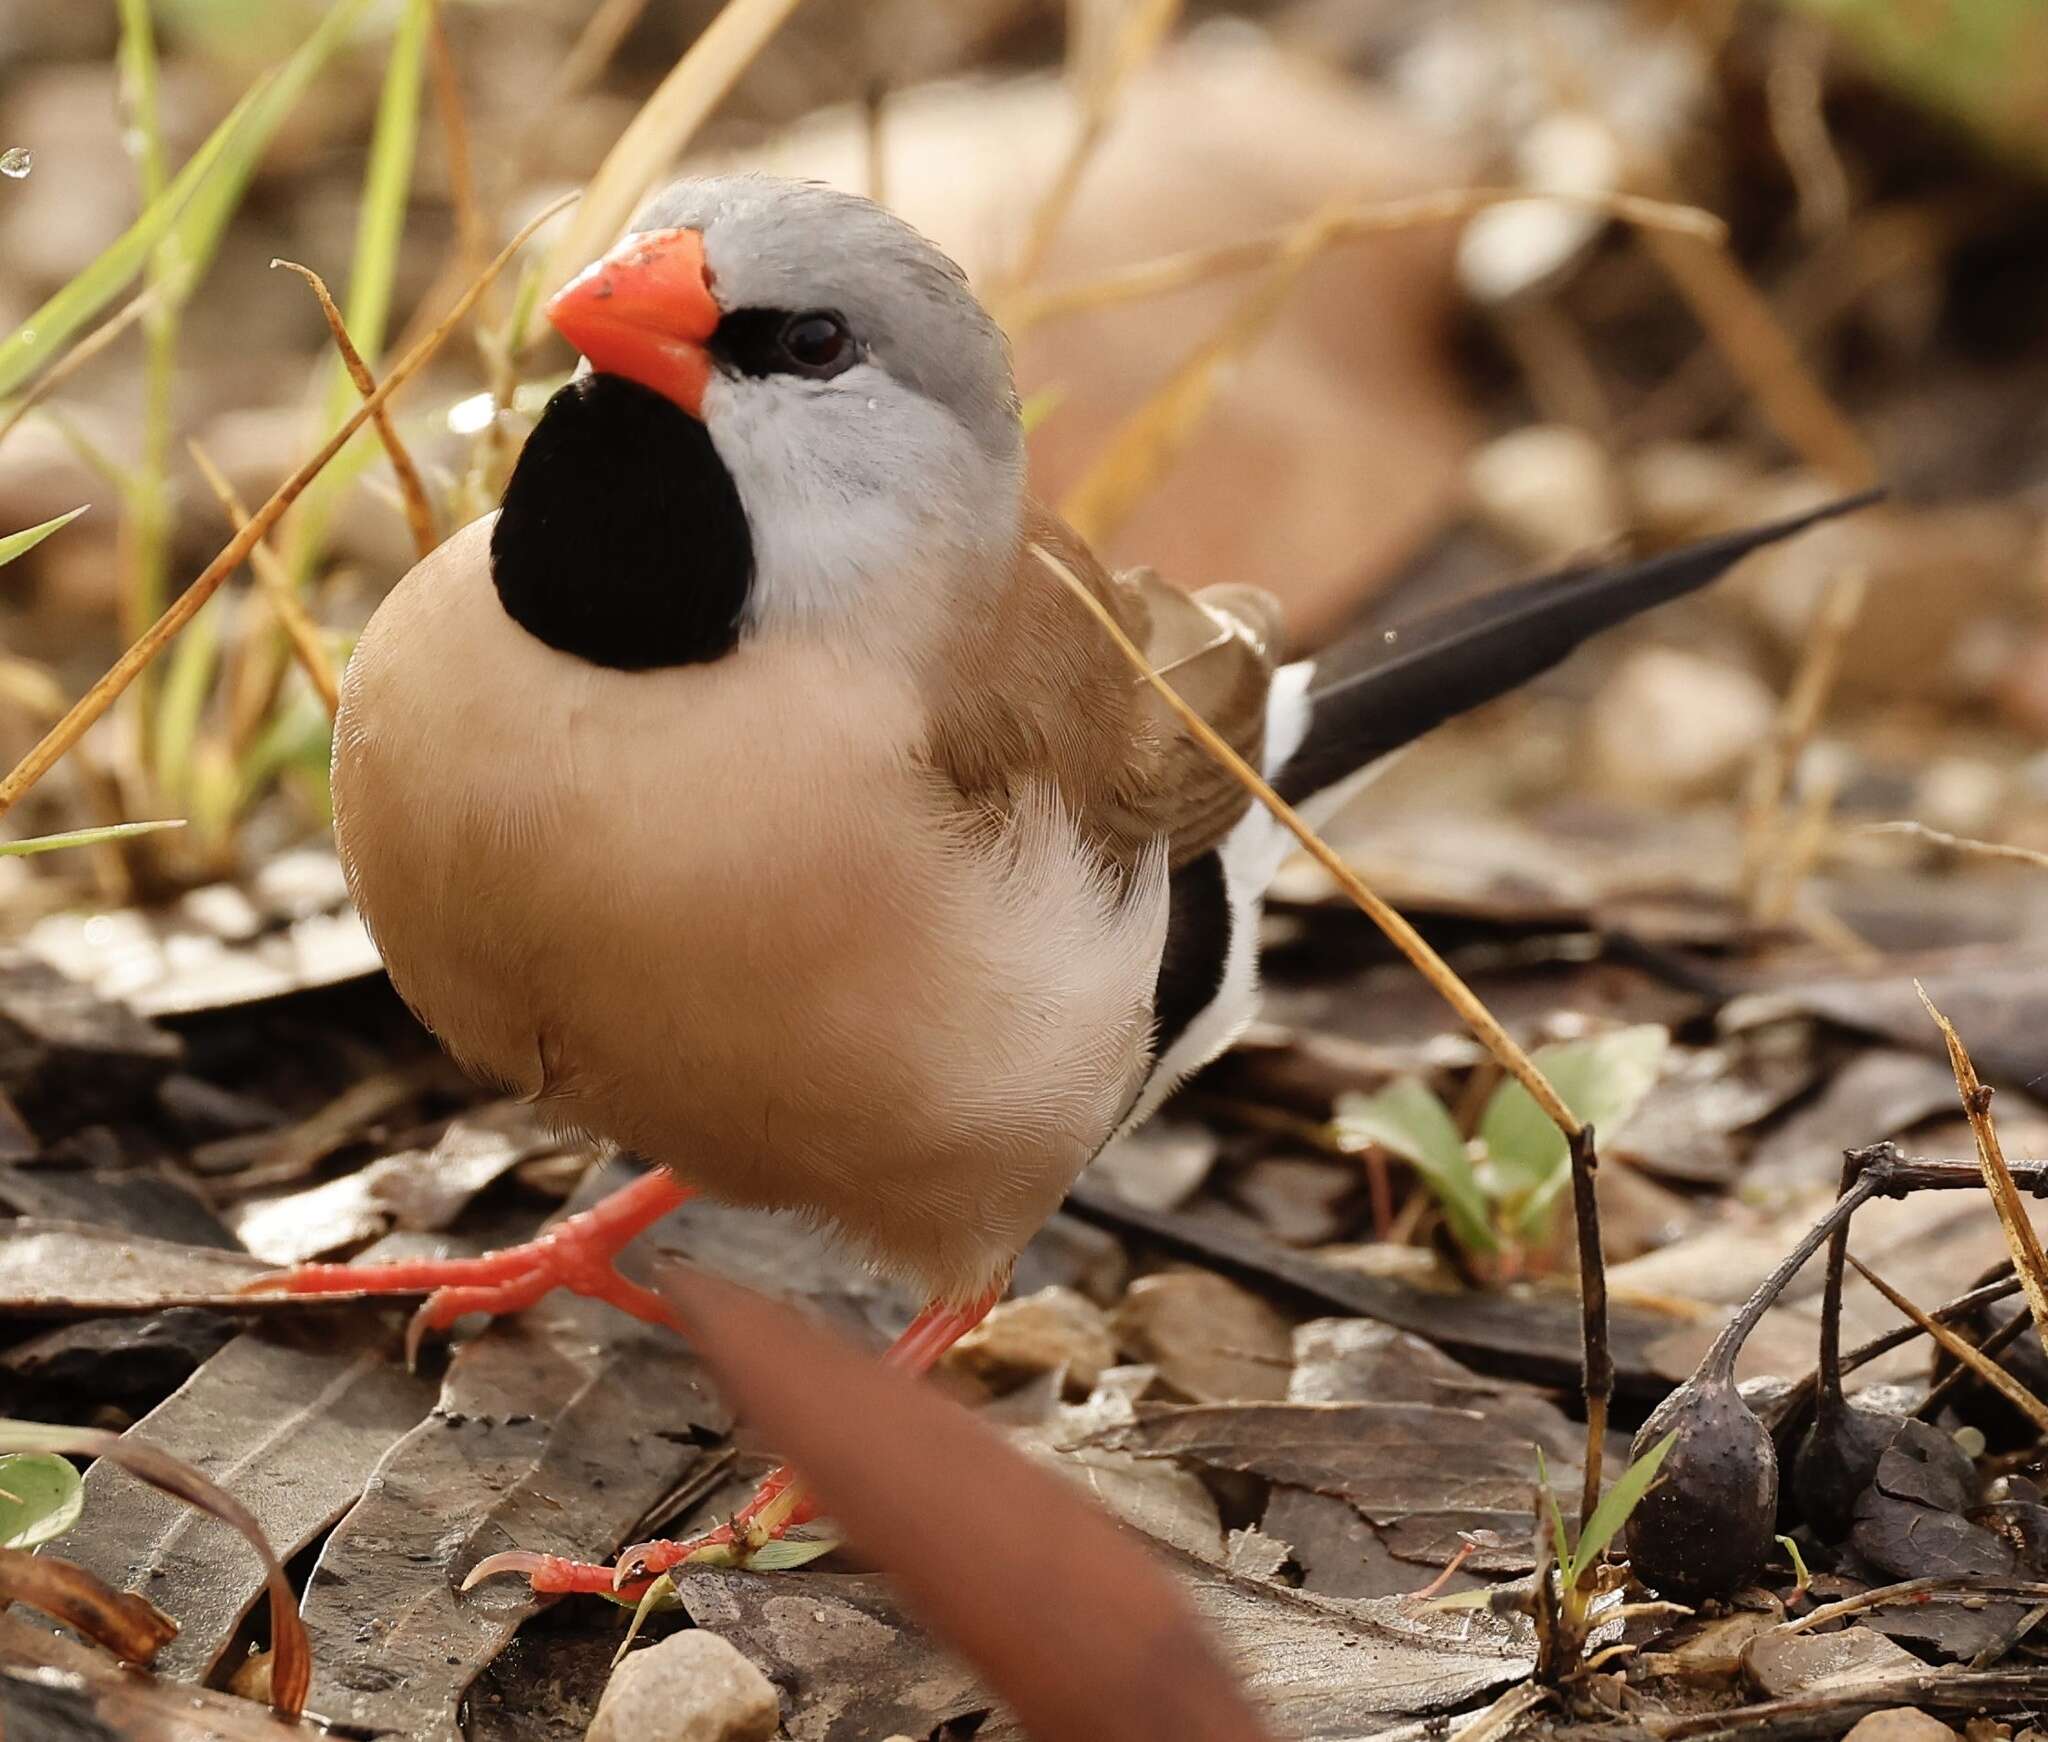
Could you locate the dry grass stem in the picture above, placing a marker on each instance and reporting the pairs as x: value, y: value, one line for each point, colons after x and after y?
x: 1152, y: 437
x: 602, y: 33
x: 1399, y: 932
x: 77, y: 357
x: 1503, y: 1715
x: 1957, y: 843
x: 1136, y: 38
x: 1962, y: 1349
x: 1771, y: 774
x: 1832, y: 932
x: 2021, y: 1240
x: 299, y: 627
x: 95, y: 702
x: 874, y: 140
x: 1974, y: 1590
x: 1740, y: 320
x: 472, y: 245
x: 1022, y: 308
x: 695, y: 85
x: 419, y: 513
x: 1804, y: 839
x: 1795, y: 88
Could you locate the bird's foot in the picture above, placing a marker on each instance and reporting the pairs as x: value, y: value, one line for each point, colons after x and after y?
x: 577, y: 1253
x: 779, y: 1505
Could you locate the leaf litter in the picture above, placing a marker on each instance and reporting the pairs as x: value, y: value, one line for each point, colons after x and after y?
x: 1284, y: 1463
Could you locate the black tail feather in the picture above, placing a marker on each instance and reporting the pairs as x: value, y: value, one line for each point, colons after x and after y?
x: 1470, y: 653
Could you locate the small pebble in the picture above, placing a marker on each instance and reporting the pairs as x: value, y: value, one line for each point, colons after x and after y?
x: 689, y: 1687
x: 1901, y: 1724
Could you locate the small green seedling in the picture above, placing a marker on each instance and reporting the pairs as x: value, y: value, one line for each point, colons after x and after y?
x: 41, y: 1496
x: 1501, y: 1189
x: 1577, y: 1560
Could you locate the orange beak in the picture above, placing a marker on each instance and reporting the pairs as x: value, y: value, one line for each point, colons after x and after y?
x: 644, y: 311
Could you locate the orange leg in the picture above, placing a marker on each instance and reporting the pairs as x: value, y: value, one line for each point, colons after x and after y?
x: 779, y: 1504
x: 577, y: 1253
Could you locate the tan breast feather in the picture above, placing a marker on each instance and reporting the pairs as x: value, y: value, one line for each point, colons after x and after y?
x: 1034, y: 692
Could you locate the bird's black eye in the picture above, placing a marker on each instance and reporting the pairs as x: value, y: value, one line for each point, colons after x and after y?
x: 816, y: 343
x: 813, y: 342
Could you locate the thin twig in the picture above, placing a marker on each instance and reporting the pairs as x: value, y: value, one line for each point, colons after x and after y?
x: 1399, y: 932
x: 419, y: 513
x: 1802, y: 842
x: 1916, y: 1591
x: 1771, y: 774
x: 1993, y: 1346
x: 1147, y: 442
x: 1024, y: 308
x: 276, y: 584
x: 95, y: 702
x: 874, y: 138
x: 1962, y: 1349
x: 1740, y: 320
x: 1143, y: 28
x: 588, y: 55
x: 1828, y: 1401
x: 77, y: 357
x: 1503, y: 1715
x: 1956, y: 843
x: 2021, y: 1239
x: 1795, y: 91
x: 1598, y: 1357
x: 471, y: 239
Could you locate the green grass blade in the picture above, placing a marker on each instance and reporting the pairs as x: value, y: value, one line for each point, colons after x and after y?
x: 219, y: 170
x: 137, y: 60
x: 180, y: 261
x: 387, y: 191
x: 380, y: 226
x: 1616, y: 1504
x: 84, y: 838
x: 21, y: 543
x: 189, y: 247
x: 147, y: 535
x: 187, y: 684
x: 39, y: 338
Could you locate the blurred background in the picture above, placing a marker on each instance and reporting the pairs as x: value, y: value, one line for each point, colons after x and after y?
x: 1418, y: 399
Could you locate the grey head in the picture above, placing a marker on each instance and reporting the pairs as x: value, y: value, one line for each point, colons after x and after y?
x: 900, y: 472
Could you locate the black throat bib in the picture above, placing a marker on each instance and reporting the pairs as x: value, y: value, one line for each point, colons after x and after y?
x: 622, y: 539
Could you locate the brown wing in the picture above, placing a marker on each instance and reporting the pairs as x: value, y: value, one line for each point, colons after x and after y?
x: 1033, y: 690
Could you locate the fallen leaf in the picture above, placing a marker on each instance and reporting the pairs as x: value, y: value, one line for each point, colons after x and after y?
x: 1210, y: 1339
x: 417, y: 1190
x: 69, y: 1055
x: 129, y: 1363
x: 289, y: 1649
x: 1522, y: 1332
x: 133, y: 1629
x: 294, y: 1431
x: 52, y: 1686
